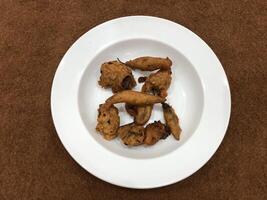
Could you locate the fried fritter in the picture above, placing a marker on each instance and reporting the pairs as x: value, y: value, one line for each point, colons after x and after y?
x: 154, y: 132
x: 117, y: 76
x: 158, y: 83
x: 108, y: 121
x: 172, y: 120
x: 132, y: 134
x: 148, y: 63
x: 133, y: 98
x: 141, y: 113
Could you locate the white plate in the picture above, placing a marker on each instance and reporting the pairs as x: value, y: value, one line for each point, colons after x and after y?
x: 199, y: 93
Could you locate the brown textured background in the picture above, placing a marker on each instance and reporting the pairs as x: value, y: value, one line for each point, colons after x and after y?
x: 34, y: 35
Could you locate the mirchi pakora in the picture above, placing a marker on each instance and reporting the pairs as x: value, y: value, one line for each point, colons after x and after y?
x: 172, y: 120
x: 133, y: 98
x: 140, y: 113
x: 117, y: 76
x: 132, y: 134
x: 108, y: 121
x: 148, y: 63
x: 143, y: 114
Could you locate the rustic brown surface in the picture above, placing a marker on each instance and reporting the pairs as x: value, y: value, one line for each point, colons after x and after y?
x: 34, y: 35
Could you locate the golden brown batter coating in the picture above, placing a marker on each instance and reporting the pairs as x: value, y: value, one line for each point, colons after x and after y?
x: 132, y: 134
x: 141, y: 113
x: 117, y: 76
x: 158, y: 83
x: 133, y: 98
x: 148, y: 63
x: 108, y: 121
x: 172, y: 120
x: 154, y: 132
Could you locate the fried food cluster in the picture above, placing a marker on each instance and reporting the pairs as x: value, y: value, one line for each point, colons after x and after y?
x: 156, y: 84
x: 118, y: 76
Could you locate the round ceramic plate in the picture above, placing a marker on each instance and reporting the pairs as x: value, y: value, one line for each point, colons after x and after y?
x: 199, y: 93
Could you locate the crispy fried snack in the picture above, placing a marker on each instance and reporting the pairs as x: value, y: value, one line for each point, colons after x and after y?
x: 132, y: 134
x: 117, y: 76
x: 172, y: 120
x: 108, y: 121
x: 141, y: 113
x: 148, y: 63
x: 158, y: 83
x: 154, y: 132
x: 133, y: 98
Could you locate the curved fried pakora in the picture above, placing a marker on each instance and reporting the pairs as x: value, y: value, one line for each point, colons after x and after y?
x: 158, y: 83
x: 117, y: 76
x: 172, y: 120
x: 148, y: 63
x: 133, y: 98
x: 141, y: 113
x: 154, y: 132
x: 132, y: 134
x: 108, y: 121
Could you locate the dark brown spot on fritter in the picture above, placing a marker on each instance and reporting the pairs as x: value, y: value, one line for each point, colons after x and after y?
x: 166, y: 133
x: 155, y: 90
x: 165, y: 105
x: 142, y: 79
x: 127, y: 83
